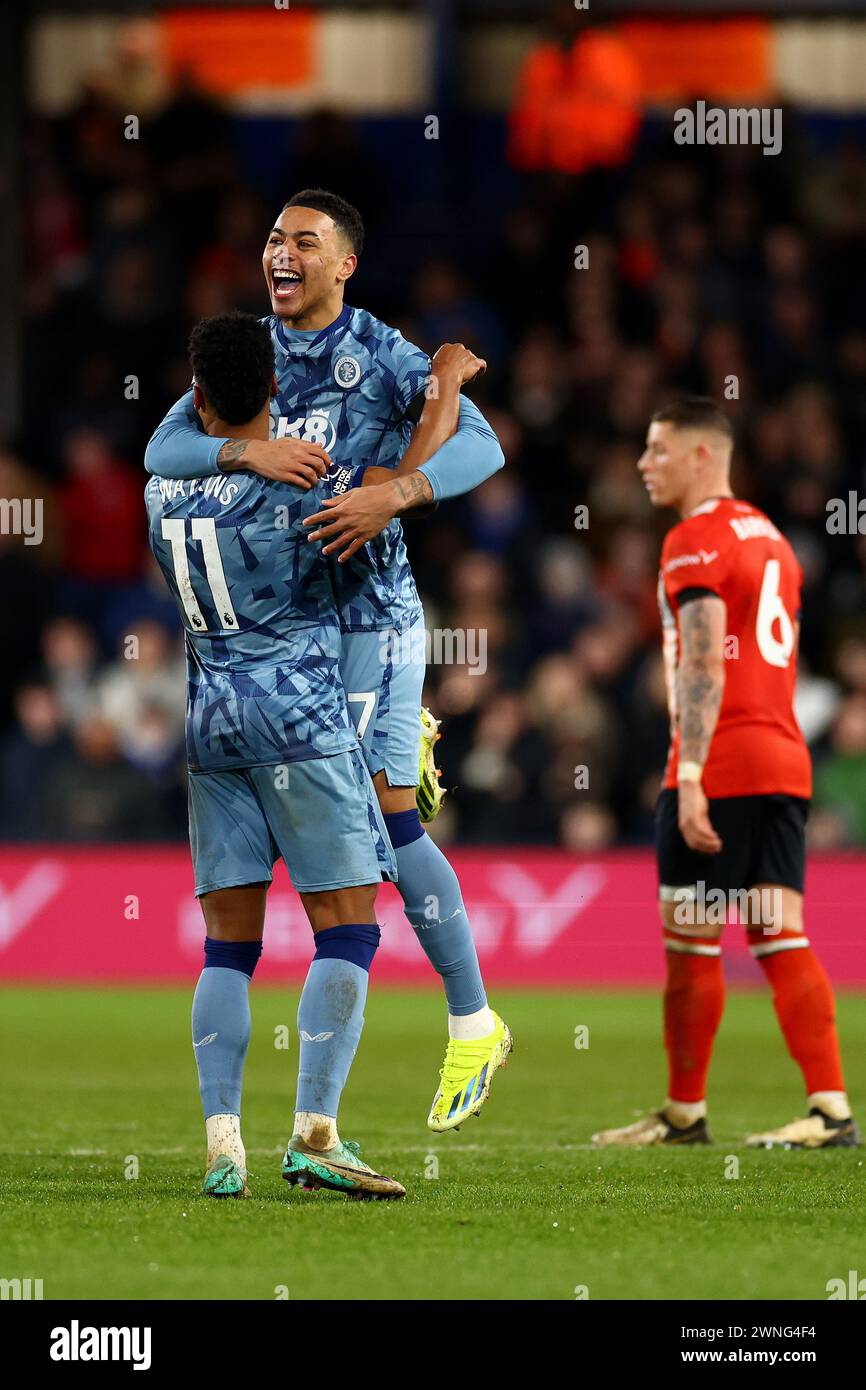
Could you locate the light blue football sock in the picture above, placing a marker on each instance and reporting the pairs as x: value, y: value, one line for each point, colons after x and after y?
x: 221, y: 1022
x: 331, y: 1014
x: 433, y: 904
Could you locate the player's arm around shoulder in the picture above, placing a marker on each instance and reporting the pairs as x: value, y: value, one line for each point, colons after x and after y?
x: 468, y: 459
x: 700, y: 688
x: 436, y: 413
x: 445, y: 415
x: 179, y: 448
x: 452, y: 450
x: 469, y: 453
x: 442, y: 411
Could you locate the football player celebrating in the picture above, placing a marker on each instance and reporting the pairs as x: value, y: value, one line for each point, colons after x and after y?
x: 274, y: 768
x: 349, y: 390
x: 730, y: 821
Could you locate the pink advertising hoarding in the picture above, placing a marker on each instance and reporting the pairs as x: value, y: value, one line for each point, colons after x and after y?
x: 545, y: 918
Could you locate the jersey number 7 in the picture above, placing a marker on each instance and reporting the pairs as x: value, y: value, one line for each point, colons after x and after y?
x: 203, y: 530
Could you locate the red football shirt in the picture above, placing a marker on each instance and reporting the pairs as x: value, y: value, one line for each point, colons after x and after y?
x: 729, y: 548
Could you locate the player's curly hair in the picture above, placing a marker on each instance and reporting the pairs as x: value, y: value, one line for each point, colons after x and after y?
x: 232, y: 359
x: 344, y: 216
x: 695, y: 412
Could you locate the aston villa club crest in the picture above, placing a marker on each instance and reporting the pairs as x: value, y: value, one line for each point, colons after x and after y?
x: 347, y: 371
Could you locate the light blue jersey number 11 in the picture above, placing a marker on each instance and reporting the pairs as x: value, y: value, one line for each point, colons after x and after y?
x: 203, y: 530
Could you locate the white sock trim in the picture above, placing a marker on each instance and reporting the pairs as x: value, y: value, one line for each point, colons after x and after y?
x: 319, y: 1131
x: 789, y: 943
x: 833, y: 1103
x: 685, y: 1112
x: 691, y: 948
x: 224, y: 1137
x: 470, y: 1027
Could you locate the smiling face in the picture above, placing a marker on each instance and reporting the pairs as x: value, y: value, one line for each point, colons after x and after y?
x: 306, y: 263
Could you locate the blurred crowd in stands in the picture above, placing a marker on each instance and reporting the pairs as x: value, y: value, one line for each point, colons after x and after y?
x: 711, y: 270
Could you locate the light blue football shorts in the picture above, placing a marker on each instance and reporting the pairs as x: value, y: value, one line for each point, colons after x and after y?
x: 383, y: 676
x: 320, y: 815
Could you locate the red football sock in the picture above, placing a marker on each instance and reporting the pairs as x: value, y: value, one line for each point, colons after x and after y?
x: 694, y: 1003
x: 805, y: 1008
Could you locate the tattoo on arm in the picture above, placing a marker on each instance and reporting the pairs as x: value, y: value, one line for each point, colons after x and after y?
x: 413, y: 490
x: 700, y: 676
x: 231, y: 453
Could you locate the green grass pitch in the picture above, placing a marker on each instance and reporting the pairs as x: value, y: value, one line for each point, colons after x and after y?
x: 514, y: 1206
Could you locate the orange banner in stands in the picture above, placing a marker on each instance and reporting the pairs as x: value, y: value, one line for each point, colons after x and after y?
x: 714, y: 58
x: 235, y: 50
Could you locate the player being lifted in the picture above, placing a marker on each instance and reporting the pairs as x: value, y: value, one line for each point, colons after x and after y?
x: 730, y: 821
x: 274, y: 769
x: 349, y: 390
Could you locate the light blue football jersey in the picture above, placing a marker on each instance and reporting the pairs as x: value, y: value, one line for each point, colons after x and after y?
x: 257, y: 604
x: 349, y: 387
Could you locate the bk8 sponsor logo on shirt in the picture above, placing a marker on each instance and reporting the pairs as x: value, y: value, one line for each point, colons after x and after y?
x: 312, y: 429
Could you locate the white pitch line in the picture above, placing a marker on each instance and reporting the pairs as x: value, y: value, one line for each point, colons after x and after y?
x: 454, y: 1147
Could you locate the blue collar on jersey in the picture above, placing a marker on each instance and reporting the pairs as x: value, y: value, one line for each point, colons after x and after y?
x: 306, y: 343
